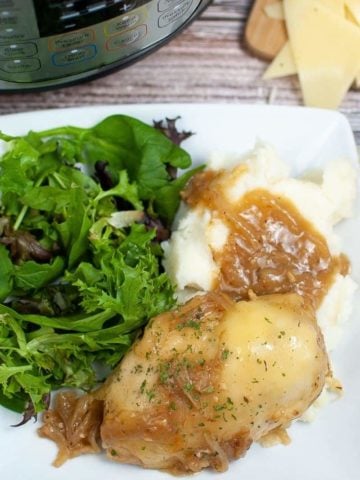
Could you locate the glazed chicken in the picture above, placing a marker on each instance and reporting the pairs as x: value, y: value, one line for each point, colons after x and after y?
x: 204, y: 382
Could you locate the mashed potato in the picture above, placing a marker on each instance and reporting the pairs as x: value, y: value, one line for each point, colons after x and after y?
x: 199, y: 235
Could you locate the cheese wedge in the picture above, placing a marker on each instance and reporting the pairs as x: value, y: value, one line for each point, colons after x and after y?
x: 326, y: 50
x: 283, y: 64
x: 275, y: 10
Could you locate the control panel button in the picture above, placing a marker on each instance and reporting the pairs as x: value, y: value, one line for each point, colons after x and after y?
x: 165, y: 4
x: 20, y: 65
x: 18, y: 50
x: 71, y: 40
x: 75, y: 55
x: 126, y: 5
x: 8, y: 18
x: 11, y: 33
x: 122, y: 23
x: 174, y: 13
x: 127, y: 38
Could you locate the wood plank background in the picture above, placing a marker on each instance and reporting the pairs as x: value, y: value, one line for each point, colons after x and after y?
x: 206, y: 63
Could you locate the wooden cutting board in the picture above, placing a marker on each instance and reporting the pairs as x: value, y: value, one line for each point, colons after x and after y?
x: 264, y: 36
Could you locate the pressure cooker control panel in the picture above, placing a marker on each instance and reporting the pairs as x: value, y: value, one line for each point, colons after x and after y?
x: 88, y: 34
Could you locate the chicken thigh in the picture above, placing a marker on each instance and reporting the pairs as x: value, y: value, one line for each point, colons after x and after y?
x: 210, y: 378
x: 204, y: 382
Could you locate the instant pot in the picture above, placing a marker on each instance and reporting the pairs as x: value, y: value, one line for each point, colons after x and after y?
x: 50, y: 43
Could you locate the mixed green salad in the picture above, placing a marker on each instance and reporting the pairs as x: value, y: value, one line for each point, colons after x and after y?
x: 82, y: 214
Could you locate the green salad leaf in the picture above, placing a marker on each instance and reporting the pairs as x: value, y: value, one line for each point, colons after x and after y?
x: 7, y: 271
x: 75, y: 289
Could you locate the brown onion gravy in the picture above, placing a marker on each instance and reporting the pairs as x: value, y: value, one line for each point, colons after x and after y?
x: 271, y: 247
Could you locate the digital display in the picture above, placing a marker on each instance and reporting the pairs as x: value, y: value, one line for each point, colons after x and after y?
x: 56, y: 17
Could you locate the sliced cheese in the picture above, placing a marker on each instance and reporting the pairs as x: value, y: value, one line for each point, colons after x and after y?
x: 349, y: 16
x: 336, y: 6
x: 351, y: 9
x: 283, y: 64
x: 275, y: 10
x: 353, y: 14
x: 354, y: 9
x: 326, y: 50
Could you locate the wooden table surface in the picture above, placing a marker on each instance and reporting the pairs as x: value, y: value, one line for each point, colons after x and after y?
x: 206, y: 63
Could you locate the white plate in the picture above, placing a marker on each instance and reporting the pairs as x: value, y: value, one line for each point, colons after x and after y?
x: 329, y: 448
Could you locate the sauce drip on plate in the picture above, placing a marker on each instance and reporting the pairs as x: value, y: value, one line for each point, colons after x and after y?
x: 271, y: 247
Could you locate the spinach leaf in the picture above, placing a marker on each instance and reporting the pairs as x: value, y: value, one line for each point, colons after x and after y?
x: 126, y: 143
x: 30, y: 275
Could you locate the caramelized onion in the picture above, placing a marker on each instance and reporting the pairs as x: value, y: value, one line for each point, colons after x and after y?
x: 74, y: 425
